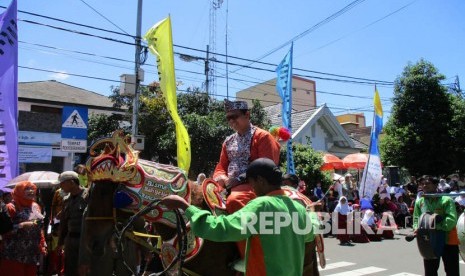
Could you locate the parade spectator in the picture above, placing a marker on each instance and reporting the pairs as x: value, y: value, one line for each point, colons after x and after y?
x: 443, y: 187
x: 402, y: 212
x: 318, y: 191
x: 342, y: 210
x: 279, y: 254
x: 412, y: 187
x: 291, y: 180
x: 82, y: 174
x: 362, y: 236
x: 446, y: 221
x: 71, y: 220
x: 338, y: 187
x: 247, y: 144
x: 302, y: 187
x: 23, y: 246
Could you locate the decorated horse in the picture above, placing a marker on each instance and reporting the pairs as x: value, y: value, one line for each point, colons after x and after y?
x: 125, y: 193
x: 123, y: 184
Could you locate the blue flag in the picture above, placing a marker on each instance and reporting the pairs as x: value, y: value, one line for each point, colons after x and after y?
x: 8, y: 94
x: 372, y: 173
x: 284, y: 88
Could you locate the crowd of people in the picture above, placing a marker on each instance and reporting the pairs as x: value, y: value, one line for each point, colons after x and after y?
x: 248, y: 170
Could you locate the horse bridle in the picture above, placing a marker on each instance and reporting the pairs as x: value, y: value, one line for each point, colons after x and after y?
x: 181, y: 231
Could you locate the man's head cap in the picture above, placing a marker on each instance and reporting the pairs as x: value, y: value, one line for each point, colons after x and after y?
x: 237, y: 105
x: 264, y: 167
x: 68, y: 175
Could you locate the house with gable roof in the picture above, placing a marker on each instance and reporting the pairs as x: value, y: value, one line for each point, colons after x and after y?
x: 320, y: 128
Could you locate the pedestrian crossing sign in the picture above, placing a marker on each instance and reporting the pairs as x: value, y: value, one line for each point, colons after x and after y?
x: 74, y: 121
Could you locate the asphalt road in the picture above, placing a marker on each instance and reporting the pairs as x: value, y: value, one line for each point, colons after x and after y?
x: 389, y: 257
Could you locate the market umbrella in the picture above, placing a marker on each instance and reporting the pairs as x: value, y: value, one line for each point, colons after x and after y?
x: 355, y: 160
x: 331, y: 162
x: 42, y: 179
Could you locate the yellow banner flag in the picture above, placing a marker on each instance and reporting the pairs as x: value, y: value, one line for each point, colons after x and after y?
x: 160, y: 43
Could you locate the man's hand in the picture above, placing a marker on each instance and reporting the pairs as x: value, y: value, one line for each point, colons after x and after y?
x: 222, y: 180
x: 174, y: 202
x: 232, y: 182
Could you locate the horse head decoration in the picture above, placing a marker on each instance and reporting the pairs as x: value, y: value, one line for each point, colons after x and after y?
x: 123, y: 185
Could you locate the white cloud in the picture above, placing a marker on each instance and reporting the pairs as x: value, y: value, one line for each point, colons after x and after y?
x: 59, y: 76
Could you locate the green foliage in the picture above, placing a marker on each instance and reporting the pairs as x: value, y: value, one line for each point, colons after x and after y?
x: 203, y: 117
x: 307, y: 163
x: 418, y: 133
x: 258, y: 115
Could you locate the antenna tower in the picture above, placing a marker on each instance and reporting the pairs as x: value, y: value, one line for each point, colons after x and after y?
x: 215, y: 5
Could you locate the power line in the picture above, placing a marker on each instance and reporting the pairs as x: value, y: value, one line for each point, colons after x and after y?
x: 180, y: 90
x: 311, y: 29
x: 77, y: 32
x: 108, y: 20
x: 184, y: 47
x: 363, y: 28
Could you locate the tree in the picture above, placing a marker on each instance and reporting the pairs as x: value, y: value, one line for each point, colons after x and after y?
x: 417, y: 133
x: 307, y: 163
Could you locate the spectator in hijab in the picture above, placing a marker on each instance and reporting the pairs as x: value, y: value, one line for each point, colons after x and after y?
x: 443, y: 187
x: 23, y: 245
x: 342, y: 210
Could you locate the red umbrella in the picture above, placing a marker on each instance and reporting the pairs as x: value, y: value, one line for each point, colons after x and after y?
x: 355, y: 160
x: 42, y: 179
x: 331, y: 162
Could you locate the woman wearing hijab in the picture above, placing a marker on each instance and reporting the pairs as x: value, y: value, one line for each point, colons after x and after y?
x: 23, y: 245
x: 342, y: 209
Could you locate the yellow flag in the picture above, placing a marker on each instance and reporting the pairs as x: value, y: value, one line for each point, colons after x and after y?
x: 160, y: 43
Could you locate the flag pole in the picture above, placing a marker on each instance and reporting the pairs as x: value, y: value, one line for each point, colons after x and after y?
x: 365, y: 170
x: 135, y: 102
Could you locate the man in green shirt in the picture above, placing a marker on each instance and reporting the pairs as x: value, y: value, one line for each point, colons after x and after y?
x: 446, y: 220
x: 281, y: 224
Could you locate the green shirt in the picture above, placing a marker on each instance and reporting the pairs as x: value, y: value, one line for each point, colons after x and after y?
x: 283, y: 246
x: 443, y: 206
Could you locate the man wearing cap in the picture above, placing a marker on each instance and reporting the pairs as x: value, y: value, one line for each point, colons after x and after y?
x: 71, y: 219
x: 238, y: 150
x: 281, y: 249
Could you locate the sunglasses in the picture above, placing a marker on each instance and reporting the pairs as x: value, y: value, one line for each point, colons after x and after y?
x: 232, y: 117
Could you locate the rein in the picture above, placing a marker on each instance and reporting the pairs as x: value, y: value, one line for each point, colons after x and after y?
x: 181, y: 231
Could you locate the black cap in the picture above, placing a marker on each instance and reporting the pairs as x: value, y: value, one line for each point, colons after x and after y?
x: 266, y: 168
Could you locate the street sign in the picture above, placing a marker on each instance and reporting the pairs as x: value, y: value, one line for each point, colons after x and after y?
x: 73, y: 145
x: 74, y: 129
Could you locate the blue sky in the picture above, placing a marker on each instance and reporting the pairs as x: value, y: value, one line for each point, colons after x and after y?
x: 373, y: 40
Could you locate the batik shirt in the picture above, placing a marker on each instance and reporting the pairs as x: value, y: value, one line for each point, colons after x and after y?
x: 238, y: 149
x: 23, y: 245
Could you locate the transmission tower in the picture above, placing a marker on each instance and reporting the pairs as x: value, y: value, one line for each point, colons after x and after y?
x: 211, y: 56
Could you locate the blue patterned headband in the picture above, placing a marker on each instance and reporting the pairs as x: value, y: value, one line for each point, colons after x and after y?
x: 229, y: 105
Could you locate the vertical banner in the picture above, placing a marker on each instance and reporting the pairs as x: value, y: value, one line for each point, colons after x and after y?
x: 284, y: 88
x: 8, y: 94
x: 160, y: 43
x: 372, y: 173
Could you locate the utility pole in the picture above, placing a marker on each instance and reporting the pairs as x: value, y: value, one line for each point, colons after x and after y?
x: 207, y: 71
x: 135, y: 103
